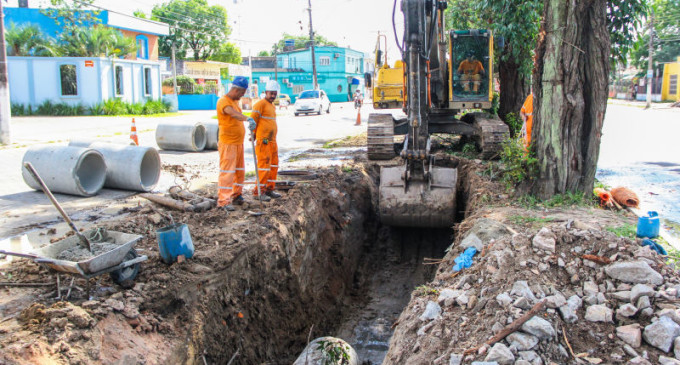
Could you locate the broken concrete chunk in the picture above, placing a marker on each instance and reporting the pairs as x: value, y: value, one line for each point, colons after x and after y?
x: 471, y: 240
x: 634, y: 272
x: 501, y: 354
x: 555, y: 301
x: 643, y: 303
x: 661, y: 333
x: 522, y: 341
x: 522, y: 303
x: 626, y: 310
x: 623, y: 296
x: 590, y: 288
x: 574, y: 302
x: 503, y: 299
x: 568, y: 314
x: 116, y: 305
x: 455, y: 359
x: 663, y: 360
x: 447, y: 296
x: 432, y: 311
x: 640, y: 290
x: 599, y: 313
x: 630, y: 334
x: 638, y: 361
x: 676, y: 347
x: 544, y: 240
x: 521, y: 289
x: 539, y: 327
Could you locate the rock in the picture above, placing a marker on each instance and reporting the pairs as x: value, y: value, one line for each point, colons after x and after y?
x: 471, y: 240
x: 590, y: 288
x: 623, y: 296
x: 522, y: 303
x: 630, y: 351
x: 626, y: 310
x: 455, y: 359
x: 560, y: 263
x: 448, y: 296
x: 522, y: 341
x: 647, y: 312
x: 600, y: 298
x: 599, y: 313
x: 539, y: 327
x: 484, y: 363
x: 432, y: 311
x: 574, y: 302
x: 568, y: 314
x: 521, y: 289
x: 661, y: 333
x: 555, y: 301
x: 497, y: 327
x: 530, y: 356
x: 117, y: 305
x: 544, y: 240
x: 643, y: 303
x: 676, y: 347
x: 591, y: 300
x: 500, y: 354
x: 630, y: 334
x: 634, y: 272
x: 487, y: 229
x: 503, y: 299
x: 423, y: 330
x: 462, y: 300
x: 638, y: 361
x: 522, y: 362
x: 663, y: 360
x: 640, y: 290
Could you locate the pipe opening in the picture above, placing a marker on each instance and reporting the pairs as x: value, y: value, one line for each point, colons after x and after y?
x: 91, y: 172
x: 199, y: 137
x: 149, y: 169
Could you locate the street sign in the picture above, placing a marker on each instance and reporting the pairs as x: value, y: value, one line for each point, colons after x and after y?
x: 289, y: 42
x: 650, y: 74
x: 89, y: 63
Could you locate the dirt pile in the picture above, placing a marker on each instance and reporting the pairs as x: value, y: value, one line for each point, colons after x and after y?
x: 607, y: 299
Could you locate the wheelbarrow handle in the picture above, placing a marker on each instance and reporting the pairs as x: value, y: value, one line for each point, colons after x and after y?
x: 54, y: 201
x: 25, y: 255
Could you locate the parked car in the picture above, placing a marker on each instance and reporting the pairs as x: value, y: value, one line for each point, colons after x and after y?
x: 280, y: 97
x: 312, y: 101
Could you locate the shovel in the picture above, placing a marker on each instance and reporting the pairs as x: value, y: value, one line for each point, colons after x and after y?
x: 257, y: 176
x: 83, y: 240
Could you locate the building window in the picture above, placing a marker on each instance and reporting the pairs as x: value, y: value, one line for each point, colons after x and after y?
x: 142, y: 47
x: 119, y: 80
x: 69, y: 80
x: 340, y: 88
x: 673, y: 85
x: 324, y: 61
x: 147, y: 81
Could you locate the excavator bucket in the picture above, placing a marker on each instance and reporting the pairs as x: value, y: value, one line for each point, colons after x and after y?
x: 420, y: 204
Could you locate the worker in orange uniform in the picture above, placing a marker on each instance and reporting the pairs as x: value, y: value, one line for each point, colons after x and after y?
x: 526, y: 113
x: 471, y: 70
x: 264, y: 114
x: 230, y: 145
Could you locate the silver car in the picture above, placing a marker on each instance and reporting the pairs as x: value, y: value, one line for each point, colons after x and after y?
x: 312, y: 101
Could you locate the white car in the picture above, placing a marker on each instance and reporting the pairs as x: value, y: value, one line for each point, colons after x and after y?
x: 312, y: 101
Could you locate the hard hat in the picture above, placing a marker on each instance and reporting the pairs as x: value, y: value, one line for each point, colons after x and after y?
x: 272, y: 85
x: 240, y: 81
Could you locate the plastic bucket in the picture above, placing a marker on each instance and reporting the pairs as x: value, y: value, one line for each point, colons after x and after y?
x: 175, y: 240
x: 648, y: 225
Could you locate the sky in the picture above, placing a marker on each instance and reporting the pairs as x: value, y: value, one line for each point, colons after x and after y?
x: 258, y: 24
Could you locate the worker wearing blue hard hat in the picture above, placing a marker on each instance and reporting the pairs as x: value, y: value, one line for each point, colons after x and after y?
x: 230, y: 145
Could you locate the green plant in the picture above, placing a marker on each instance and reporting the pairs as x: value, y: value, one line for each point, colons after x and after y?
x: 601, y: 185
x: 347, y: 169
x: 424, y: 290
x: 135, y: 108
x: 45, y: 108
x: 519, y: 164
x: 114, y: 107
x: 185, y: 83
x: 97, y: 109
x: 514, y: 122
x: 155, y: 107
x: 560, y: 200
x: 469, y: 149
x: 18, y: 109
x: 333, y: 352
x: 522, y: 219
x: 626, y: 230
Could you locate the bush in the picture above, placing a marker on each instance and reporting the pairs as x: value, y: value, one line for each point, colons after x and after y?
x: 135, y: 108
x: 155, y: 107
x: 46, y: 108
x: 115, y: 107
x: 18, y: 109
x: 519, y: 164
x: 514, y: 122
x: 97, y: 109
x: 185, y: 83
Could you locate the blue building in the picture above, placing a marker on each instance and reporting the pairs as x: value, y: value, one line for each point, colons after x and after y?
x: 339, y: 71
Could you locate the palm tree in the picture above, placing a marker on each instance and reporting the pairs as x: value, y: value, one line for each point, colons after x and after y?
x: 29, y: 40
x: 97, y: 42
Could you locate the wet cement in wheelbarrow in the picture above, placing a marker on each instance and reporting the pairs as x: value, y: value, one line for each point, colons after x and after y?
x: 80, y: 253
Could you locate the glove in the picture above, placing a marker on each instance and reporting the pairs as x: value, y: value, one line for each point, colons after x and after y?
x: 251, y: 124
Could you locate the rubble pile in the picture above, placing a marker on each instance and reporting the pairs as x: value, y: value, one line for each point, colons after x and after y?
x: 603, y: 299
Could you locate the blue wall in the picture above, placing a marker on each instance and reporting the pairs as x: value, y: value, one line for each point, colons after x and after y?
x: 20, y: 16
x: 197, y: 102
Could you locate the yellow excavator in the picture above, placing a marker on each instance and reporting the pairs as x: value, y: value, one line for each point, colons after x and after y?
x: 388, y: 82
x: 446, y: 72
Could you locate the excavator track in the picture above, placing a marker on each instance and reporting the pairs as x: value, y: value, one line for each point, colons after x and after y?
x: 490, y: 134
x: 380, y: 137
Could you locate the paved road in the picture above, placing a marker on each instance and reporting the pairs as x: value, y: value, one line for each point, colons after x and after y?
x: 22, y: 208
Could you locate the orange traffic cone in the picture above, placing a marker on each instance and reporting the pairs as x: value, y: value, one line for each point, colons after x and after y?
x: 358, y: 118
x: 133, y: 132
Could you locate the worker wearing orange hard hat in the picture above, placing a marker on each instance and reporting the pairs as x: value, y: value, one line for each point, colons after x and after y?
x: 230, y: 145
x: 527, y: 115
x: 264, y: 114
x: 471, y: 69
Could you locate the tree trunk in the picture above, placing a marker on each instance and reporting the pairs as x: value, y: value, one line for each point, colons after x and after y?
x: 570, y: 89
x: 514, y: 87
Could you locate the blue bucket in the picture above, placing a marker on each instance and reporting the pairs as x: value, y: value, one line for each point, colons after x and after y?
x: 648, y: 225
x: 175, y: 240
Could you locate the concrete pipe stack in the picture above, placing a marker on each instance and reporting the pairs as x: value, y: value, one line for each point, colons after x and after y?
x: 133, y: 167
x: 181, y: 137
x: 68, y: 170
x: 212, y: 132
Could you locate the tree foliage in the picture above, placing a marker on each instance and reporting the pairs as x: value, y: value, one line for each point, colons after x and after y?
x: 99, y: 41
x: 263, y: 54
x: 666, y: 45
x: 195, y: 26
x: 302, y: 41
x: 72, y: 14
x: 29, y: 40
x: 228, y: 53
x: 623, y: 19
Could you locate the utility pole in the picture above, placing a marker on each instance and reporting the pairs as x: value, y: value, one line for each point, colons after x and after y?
x: 650, y: 71
x: 5, y: 110
x: 311, y: 39
x: 276, y: 64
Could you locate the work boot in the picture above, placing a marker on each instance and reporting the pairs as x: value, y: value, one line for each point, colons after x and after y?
x: 273, y: 194
x: 228, y: 208
x: 238, y: 200
x: 264, y: 196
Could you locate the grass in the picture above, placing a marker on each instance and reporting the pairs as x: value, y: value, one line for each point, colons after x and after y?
x: 250, y: 174
x: 523, y: 220
x: 347, y: 169
x: 627, y: 230
x: 424, y: 290
x: 568, y: 199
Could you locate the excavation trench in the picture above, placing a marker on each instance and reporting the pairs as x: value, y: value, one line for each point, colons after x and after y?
x: 324, y: 267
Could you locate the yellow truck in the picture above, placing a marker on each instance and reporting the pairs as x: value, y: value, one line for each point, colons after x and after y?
x: 388, y: 82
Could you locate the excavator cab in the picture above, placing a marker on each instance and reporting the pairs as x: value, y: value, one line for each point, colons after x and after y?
x: 470, y: 69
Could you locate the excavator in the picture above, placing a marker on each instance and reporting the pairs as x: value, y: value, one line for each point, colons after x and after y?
x: 418, y: 193
x: 388, y: 82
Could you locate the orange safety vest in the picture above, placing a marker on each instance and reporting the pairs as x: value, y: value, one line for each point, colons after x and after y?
x: 528, y: 109
x: 471, y: 68
x: 232, y: 130
x: 264, y: 114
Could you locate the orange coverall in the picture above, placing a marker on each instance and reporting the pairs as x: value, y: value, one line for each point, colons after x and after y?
x: 264, y: 114
x: 528, y: 110
x: 471, y: 71
x: 230, y: 148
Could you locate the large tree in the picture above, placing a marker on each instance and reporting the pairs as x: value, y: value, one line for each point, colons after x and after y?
x: 570, y: 87
x: 194, y: 26
x: 666, y: 42
x: 301, y: 41
x: 72, y: 14
x: 228, y: 53
x: 99, y: 41
x: 29, y: 40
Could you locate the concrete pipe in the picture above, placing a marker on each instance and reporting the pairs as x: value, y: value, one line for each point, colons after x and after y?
x: 84, y: 142
x: 212, y: 131
x: 313, y: 355
x: 69, y: 170
x: 181, y: 137
x: 130, y: 167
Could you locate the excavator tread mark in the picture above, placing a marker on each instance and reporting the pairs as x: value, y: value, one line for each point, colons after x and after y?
x: 490, y: 134
x: 380, y: 137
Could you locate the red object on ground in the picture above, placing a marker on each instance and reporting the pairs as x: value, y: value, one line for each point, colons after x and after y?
x: 133, y: 132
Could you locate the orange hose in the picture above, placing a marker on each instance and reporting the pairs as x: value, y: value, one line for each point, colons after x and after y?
x: 429, y: 94
x: 604, y: 195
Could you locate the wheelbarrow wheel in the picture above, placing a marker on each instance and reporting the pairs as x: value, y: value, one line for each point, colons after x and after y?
x: 125, y: 277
